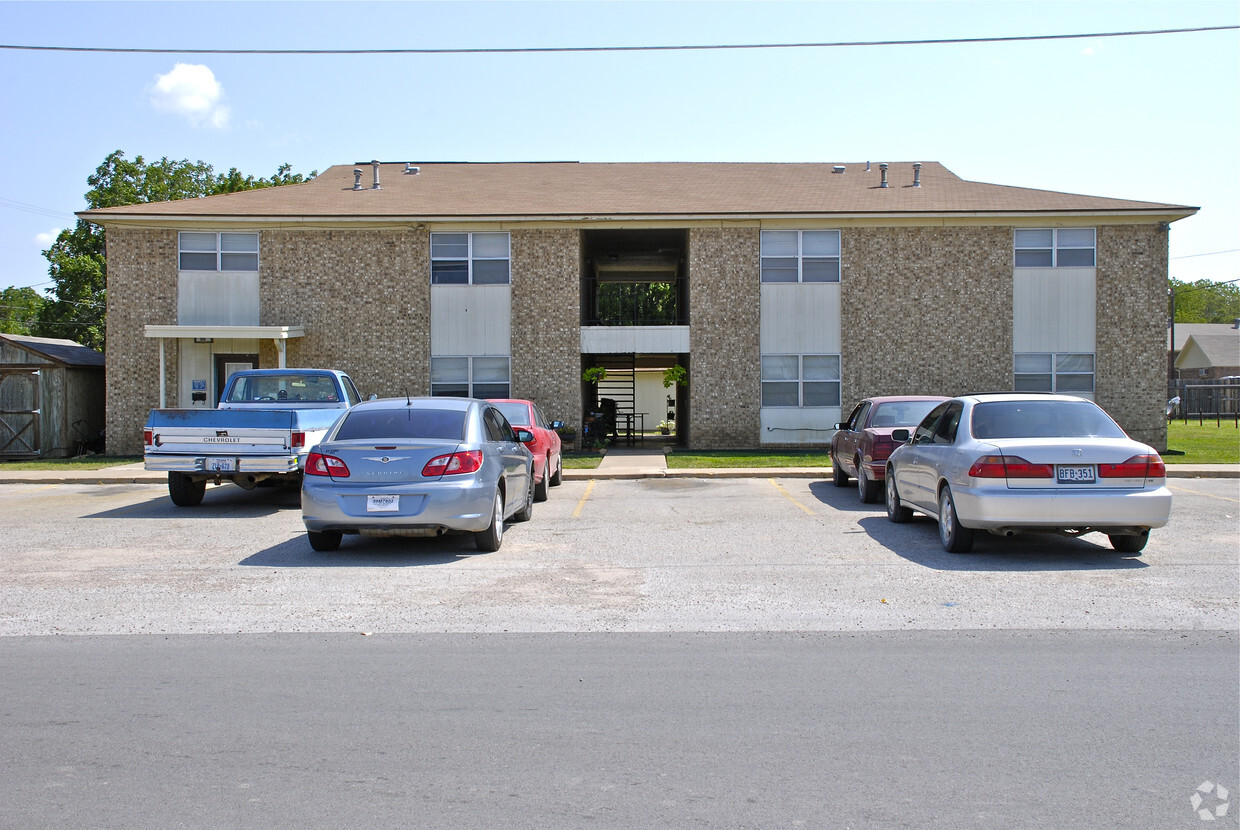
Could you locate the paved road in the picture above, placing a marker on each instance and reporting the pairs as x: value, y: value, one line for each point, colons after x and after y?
x: 661, y: 653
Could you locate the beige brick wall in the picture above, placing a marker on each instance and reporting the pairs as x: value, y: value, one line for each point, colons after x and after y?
x: 546, y: 329
x: 725, y: 365
x: 142, y: 290
x: 1132, y: 329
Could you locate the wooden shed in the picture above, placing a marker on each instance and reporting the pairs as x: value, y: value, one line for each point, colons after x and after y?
x: 51, y: 397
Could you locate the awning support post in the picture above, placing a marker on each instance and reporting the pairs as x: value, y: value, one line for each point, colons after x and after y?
x: 163, y: 377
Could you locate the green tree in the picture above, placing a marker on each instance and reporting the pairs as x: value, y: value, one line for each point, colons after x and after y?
x: 1204, y: 301
x: 77, y: 260
x: 19, y: 308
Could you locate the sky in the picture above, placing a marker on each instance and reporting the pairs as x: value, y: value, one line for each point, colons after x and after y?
x: 1153, y: 117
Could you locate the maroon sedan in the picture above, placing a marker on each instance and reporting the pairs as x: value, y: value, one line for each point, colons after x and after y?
x: 548, y: 461
x: 861, y: 444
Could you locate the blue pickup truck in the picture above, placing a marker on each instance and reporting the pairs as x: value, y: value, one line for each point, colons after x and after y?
x: 266, y: 423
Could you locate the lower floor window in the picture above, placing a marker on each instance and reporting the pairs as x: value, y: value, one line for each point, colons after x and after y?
x: 470, y: 377
x: 1065, y: 372
x: 801, y: 380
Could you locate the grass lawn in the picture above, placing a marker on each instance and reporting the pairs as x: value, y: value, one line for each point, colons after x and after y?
x: 581, y: 460
x: 1204, y: 443
x: 88, y: 462
x: 686, y: 460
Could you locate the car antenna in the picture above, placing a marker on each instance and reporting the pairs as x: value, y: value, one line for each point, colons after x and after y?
x: 408, y: 407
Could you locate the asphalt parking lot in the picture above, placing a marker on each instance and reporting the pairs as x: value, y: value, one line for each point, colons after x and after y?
x: 649, y: 555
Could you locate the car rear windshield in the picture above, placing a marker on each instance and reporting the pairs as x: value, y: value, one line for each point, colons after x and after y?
x: 901, y: 413
x: 290, y: 387
x: 1042, y: 419
x: 379, y: 424
x: 517, y: 414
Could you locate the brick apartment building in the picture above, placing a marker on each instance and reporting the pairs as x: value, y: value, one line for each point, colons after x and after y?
x: 787, y: 291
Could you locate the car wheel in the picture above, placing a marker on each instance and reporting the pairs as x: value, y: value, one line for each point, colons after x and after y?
x: 490, y: 539
x: 1130, y: 544
x: 867, y: 490
x: 955, y: 537
x: 540, y: 489
x: 838, y: 477
x: 324, y: 540
x: 559, y: 472
x: 527, y: 511
x: 896, y: 511
x: 184, y: 491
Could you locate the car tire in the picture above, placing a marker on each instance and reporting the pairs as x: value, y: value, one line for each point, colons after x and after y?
x: 324, y: 540
x: 1130, y: 544
x: 527, y: 511
x: 490, y: 539
x: 896, y: 511
x: 558, y: 478
x: 540, y: 488
x: 955, y: 537
x: 184, y: 491
x: 868, y: 491
x: 838, y: 477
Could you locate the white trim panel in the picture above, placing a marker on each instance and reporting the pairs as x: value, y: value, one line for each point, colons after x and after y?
x: 789, y: 425
x: 1053, y: 310
x: 217, y: 298
x: 471, y: 320
x: 634, y: 339
x: 802, y: 318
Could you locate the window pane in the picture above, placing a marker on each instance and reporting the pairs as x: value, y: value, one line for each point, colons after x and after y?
x: 1076, y: 258
x: 197, y: 262
x: 1075, y: 238
x: 1034, y: 259
x: 450, y: 272
x: 822, y: 367
x: 820, y: 243
x: 491, y: 272
x: 1030, y: 362
x: 490, y: 246
x: 490, y: 369
x: 820, y: 270
x: 779, y: 243
x: 238, y: 262
x: 780, y: 367
x: 779, y: 394
x: 822, y: 394
x: 451, y: 390
x: 1074, y: 383
x: 1074, y: 363
x: 1034, y: 238
x: 239, y: 242
x: 449, y: 245
x: 490, y: 390
x: 779, y: 269
x: 444, y: 369
x: 197, y: 241
x: 1033, y: 383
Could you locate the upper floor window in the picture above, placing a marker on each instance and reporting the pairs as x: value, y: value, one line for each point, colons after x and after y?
x: 1055, y: 248
x: 199, y: 251
x: 800, y: 256
x: 800, y: 380
x: 469, y: 259
x: 1069, y: 374
x: 470, y: 377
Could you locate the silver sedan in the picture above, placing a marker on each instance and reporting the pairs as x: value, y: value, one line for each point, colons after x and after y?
x: 418, y: 467
x: 1008, y: 463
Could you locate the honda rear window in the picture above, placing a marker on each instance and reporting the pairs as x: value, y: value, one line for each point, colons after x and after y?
x: 1042, y: 419
x: 377, y: 424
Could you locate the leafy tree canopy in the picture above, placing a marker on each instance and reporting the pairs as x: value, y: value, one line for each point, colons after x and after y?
x: 77, y: 260
x: 19, y: 307
x: 1204, y: 301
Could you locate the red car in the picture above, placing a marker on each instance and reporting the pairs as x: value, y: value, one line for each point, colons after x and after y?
x: 548, y: 460
x: 861, y: 444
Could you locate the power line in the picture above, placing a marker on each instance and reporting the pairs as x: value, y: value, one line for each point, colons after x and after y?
x: 29, y: 208
x: 1211, y: 253
x: 558, y: 49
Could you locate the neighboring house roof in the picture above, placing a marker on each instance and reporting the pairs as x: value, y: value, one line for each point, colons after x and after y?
x: 62, y: 351
x: 1185, y: 330
x: 572, y: 190
x: 1206, y: 351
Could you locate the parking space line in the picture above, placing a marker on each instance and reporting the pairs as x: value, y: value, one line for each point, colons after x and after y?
x: 582, y: 502
x: 1177, y: 488
x: 788, y: 496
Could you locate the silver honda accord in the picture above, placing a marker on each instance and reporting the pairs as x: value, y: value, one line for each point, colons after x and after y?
x: 1010, y: 462
x: 418, y: 467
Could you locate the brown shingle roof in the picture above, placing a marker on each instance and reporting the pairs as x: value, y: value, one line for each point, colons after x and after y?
x: 569, y: 189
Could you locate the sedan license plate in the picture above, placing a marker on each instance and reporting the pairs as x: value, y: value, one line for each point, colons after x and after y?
x: 1076, y: 474
x: 382, y: 504
x: 221, y: 465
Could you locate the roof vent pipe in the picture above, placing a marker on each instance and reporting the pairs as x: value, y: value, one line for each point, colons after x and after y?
x: 410, y: 170
x: 375, y: 186
x: 917, y: 174
x: 867, y: 167
x: 883, y: 167
x: 839, y: 168
x: 357, y: 178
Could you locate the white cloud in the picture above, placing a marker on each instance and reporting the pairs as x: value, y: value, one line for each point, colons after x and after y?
x: 45, y: 240
x: 191, y: 90
x: 1088, y: 51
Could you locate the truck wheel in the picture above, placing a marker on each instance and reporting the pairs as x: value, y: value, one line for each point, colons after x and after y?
x: 324, y: 540
x: 184, y: 491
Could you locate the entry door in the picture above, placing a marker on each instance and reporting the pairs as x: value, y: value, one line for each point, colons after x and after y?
x: 19, y: 413
x: 226, y: 364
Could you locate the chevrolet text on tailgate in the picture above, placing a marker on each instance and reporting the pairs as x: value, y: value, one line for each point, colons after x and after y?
x: 266, y: 423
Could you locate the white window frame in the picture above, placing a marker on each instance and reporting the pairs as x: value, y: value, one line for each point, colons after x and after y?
x: 220, y: 254
x: 1056, y: 248
x: 801, y: 381
x: 1058, y: 367
x: 471, y: 381
x: 768, y: 260
x: 472, y: 256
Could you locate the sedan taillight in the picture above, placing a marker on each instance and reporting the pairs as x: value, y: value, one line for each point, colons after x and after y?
x: 318, y: 464
x: 468, y: 461
x: 1005, y: 466
x: 1149, y: 465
